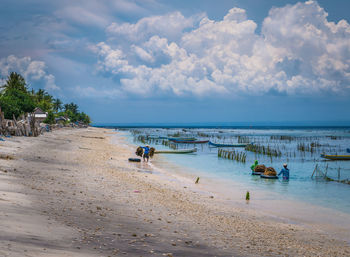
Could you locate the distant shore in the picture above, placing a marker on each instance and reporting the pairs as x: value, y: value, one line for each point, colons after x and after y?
x: 73, y: 193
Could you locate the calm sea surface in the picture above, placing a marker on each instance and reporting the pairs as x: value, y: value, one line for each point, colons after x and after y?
x: 299, y: 147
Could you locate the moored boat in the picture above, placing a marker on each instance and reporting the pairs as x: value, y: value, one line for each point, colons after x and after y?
x: 190, y: 142
x: 178, y: 151
x: 226, y: 145
x: 182, y: 138
x: 268, y: 176
x: 336, y: 157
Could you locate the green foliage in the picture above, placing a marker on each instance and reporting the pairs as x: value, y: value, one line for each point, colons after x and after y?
x: 57, y: 105
x: 15, y: 99
x: 16, y: 102
x: 43, y: 100
x: 72, y: 107
x: 50, y: 119
x: 15, y: 81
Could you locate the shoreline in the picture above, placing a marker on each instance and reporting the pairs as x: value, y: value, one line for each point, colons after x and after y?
x: 232, y: 193
x: 83, y: 187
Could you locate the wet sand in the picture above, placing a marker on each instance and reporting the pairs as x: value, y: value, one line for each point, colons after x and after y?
x: 73, y: 193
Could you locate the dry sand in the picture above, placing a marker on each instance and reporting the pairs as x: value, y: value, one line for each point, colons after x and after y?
x: 73, y: 193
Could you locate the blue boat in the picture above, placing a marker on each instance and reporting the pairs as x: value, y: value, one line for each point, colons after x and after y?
x: 227, y: 145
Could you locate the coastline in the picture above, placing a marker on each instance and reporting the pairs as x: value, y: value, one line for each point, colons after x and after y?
x: 263, y: 203
x: 95, y: 203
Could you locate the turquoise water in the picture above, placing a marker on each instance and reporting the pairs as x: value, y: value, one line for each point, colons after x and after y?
x: 300, y: 148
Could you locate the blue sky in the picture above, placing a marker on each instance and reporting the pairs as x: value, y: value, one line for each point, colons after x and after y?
x: 157, y: 61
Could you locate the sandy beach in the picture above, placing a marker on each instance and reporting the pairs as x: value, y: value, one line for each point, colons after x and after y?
x: 72, y: 192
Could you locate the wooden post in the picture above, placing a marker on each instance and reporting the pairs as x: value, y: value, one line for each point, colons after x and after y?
x: 314, y: 170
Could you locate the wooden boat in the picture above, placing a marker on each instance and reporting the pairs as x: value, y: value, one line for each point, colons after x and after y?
x: 268, y: 177
x: 336, y: 157
x: 227, y: 145
x: 181, y: 138
x: 257, y: 173
x: 190, y: 142
x: 178, y: 151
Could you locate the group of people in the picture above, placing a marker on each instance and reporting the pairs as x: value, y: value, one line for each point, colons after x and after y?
x: 284, y: 171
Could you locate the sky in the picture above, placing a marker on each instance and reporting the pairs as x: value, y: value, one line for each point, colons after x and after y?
x: 158, y: 61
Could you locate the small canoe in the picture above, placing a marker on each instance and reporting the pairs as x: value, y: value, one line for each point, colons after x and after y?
x: 257, y: 173
x: 190, y: 142
x: 268, y: 177
x: 179, y: 151
x: 134, y: 160
x: 181, y: 138
x: 227, y: 145
x: 336, y: 157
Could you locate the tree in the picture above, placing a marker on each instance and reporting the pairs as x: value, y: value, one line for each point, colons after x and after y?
x: 43, y: 100
x: 16, y: 102
x: 71, y: 107
x: 15, y: 81
x: 50, y: 119
x: 57, y: 105
x: 83, y: 117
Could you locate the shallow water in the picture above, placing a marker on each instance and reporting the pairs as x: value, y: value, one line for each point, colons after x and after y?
x: 290, y: 142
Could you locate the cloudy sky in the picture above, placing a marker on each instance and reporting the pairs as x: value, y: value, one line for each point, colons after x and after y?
x: 158, y: 61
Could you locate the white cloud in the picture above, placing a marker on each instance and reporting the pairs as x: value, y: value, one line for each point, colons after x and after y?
x: 297, y: 52
x: 170, y: 26
x: 33, y: 71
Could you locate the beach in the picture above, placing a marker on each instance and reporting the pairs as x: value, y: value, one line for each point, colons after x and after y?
x: 73, y: 192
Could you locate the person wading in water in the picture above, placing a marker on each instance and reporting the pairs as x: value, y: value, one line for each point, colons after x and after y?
x: 285, y: 172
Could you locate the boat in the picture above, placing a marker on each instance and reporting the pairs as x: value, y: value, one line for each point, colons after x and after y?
x: 134, y: 160
x: 181, y: 138
x: 268, y: 177
x: 336, y: 157
x: 190, y: 142
x: 257, y: 173
x: 178, y: 151
x: 227, y: 145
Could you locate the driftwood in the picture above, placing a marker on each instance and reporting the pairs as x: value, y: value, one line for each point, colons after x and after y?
x: 23, y: 127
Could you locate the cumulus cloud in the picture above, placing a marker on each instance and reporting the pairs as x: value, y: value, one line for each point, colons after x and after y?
x: 170, y: 26
x: 32, y: 70
x: 297, y: 52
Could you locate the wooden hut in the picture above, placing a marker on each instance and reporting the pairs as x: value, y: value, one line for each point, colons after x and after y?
x: 39, y: 114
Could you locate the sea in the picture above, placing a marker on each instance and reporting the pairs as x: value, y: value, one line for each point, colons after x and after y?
x: 318, y: 188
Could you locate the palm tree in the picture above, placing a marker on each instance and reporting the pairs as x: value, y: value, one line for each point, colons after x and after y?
x: 15, y: 81
x: 57, y: 105
x: 40, y: 95
x: 71, y: 107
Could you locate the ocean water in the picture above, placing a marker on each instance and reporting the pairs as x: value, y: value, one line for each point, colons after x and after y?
x: 299, y: 147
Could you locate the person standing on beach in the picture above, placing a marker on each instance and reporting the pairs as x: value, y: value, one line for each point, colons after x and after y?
x: 285, y: 172
x: 146, y: 153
